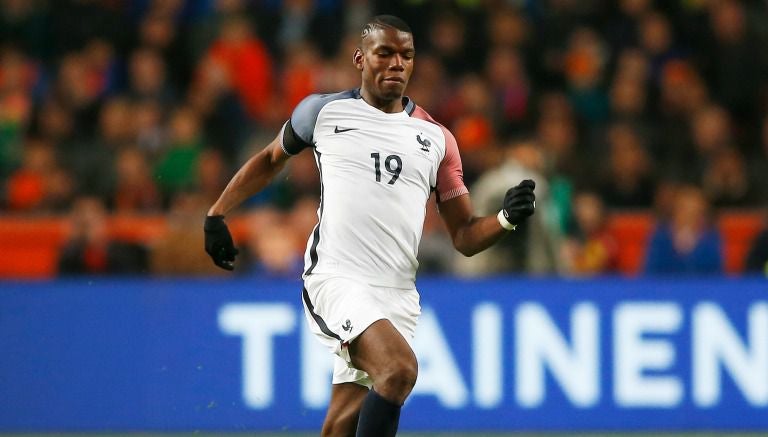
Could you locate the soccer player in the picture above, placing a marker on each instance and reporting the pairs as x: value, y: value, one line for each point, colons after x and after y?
x: 380, y: 156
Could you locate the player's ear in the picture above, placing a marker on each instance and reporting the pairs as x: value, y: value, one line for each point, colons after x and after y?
x: 357, y: 58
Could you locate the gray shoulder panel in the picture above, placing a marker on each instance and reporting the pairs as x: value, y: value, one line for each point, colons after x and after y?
x: 305, y: 114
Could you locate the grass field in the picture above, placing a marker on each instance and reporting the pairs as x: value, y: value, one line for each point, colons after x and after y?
x: 206, y: 434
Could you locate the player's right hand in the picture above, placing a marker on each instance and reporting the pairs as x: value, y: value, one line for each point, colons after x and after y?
x: 218, y: 242
x: 519, y: 202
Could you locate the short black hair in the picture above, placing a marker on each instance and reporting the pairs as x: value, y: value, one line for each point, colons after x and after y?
x: 381, y: 21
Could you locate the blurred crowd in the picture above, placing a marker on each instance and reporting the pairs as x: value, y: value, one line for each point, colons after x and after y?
x: 149, y: 106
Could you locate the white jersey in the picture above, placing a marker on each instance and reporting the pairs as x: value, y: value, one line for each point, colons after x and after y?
x: 377, y: 171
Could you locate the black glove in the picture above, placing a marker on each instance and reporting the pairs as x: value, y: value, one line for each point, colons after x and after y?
x: 519, y: 202
x: 218, y: 242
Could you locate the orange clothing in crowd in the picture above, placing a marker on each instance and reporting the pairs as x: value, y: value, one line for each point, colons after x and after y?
x: 26, y: 190
x: 249, y: 68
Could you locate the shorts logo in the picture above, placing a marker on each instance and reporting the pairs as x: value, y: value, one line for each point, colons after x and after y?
x: 425, y: 143
x: 347, y: 326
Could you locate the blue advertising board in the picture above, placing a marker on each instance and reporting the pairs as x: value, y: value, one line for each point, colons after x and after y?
x: 500, y: 354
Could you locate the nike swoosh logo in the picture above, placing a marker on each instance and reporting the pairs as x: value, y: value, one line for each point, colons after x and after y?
x: 343, y: 129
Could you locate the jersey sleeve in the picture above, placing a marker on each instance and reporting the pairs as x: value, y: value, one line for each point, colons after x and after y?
x: 450, y: 176
x: 298, y: 131
x: 289, y: 141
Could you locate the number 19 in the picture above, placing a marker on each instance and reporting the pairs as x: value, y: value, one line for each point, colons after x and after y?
x: 392, y: 163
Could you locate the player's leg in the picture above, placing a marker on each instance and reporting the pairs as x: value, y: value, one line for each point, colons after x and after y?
x: 382, y: 352
x: 344, y: 409
x: 365, y: 326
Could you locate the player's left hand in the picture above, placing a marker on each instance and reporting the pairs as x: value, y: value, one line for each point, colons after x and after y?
x: 218, y: 242
x: 519, y: 202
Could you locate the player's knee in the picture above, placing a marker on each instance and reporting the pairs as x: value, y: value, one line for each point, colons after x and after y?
x: 398, y: 380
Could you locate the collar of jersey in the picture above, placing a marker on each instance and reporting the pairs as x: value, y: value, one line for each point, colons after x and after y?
x: 408, y: 106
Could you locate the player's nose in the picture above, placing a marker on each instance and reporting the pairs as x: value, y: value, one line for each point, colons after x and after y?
x: 397, y: 62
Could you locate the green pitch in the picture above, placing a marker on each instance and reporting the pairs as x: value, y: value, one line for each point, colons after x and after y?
x: 200, y: 434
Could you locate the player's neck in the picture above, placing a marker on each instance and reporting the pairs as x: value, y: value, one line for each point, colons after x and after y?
x: 388, y: 106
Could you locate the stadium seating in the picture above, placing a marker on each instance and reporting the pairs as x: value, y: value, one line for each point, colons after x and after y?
x: 29, y: 247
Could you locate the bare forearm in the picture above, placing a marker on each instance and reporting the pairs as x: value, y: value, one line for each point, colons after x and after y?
x: 478, y: 234
x: 252, y: 177
x: 472, y: 234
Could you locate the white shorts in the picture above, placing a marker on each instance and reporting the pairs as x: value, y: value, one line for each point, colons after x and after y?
x: 338, y: 309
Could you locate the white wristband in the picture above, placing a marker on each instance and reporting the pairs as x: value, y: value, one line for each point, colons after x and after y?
x: 504, y: 223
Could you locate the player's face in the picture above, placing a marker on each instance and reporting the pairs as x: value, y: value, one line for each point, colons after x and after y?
x: 386, y: 61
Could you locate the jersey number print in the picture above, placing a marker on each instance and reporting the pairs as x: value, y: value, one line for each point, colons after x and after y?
x: 393, y: 169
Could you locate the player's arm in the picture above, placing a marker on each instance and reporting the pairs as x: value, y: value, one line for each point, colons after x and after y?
x: 251, y: 178
x: 256, y: 174
x: 472, y: 234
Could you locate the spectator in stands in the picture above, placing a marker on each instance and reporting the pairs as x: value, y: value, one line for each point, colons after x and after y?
x: 590, y: 248
x: 205, y: 28
x: 277, y: 238
x: 90, y: 250
x: 40, y: 184
x: 336, y: 75
x: 177, y: 252
x: 658, y: 40
x: 222, y: 114
x: 733, y: 59
x: 711, y: 130
x: 147, y: 125
x: 17, y: 77
x: 158, y: 32
x: 758, y: 160
x: 247, y: 64
x: 176, y: 169
x: 92, y: 160
x: 473, y: 126
x: 102, y: 66
x: 554, y: 27
x: 683, y: 94
x: 79, y: 95
x: 53, y: 122
x: 273, y: 248
x: 294, y: 23
x: 628, y: 95
x: 212, y: 174
x: 627, y: 181
x: 512, y: 89
x: 585, y: 60
x: 726, y: 180
x: 558, y: 135
x: 91, y: 78
x: 148, y: 77
x: 534, y: 246
x: 628, y: 98
x: 135, y: 189
x: 302, y: 180
x: 302, y: 217
x: 757, y: 257
x: 447, y: 40
x: 508, y: 28
x: 300, y: 76
x: 687, y: 243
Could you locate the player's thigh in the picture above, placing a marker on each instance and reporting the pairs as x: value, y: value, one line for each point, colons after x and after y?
x: 344, y: 409
x: 380, y: 349
x: 338, y: 309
